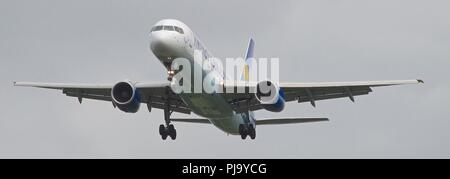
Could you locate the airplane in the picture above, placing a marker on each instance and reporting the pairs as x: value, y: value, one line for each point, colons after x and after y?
x: 232, y: 113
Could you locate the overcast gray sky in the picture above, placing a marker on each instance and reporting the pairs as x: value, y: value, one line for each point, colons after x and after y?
x: 335, y: 40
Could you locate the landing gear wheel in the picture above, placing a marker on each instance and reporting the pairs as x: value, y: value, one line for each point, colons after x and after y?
x: 164, y: 136
x: 242, y: 131
x: 243, y: 136
x: 247, y: 130
x: 163, y: 132
x: 172, y: 132
x: 252, y: 132
x: 162, y: 129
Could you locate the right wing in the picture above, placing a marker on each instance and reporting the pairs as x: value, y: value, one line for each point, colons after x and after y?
x: 310, y: 92
x: 307, y: 92
x: 154, y: 94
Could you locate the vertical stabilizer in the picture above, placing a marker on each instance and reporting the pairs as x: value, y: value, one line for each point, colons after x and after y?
x: 249, y: 55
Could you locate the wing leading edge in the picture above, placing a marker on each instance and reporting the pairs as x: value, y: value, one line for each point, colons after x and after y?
x: 155, y: 95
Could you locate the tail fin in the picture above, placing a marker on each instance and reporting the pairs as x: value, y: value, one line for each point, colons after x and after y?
x: 248, y: 57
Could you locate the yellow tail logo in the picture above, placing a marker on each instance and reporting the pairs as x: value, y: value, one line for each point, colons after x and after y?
x: 246, y: 76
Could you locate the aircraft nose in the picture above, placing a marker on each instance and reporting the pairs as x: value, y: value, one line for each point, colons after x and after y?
x: 159, y: 43
x: 166, y: 45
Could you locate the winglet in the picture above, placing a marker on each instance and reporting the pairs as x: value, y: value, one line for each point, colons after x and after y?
x: 420, y: 81
x: 14, y: 83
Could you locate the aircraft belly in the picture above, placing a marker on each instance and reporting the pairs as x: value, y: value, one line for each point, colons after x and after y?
x: 208, y: 105
x: 229, y: 125
x: 216, y: 109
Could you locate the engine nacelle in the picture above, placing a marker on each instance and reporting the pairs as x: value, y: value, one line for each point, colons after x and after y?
x: 270, y: 96
x: 126, y: 97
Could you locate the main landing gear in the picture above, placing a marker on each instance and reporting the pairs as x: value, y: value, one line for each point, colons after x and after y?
x: 247, y: 130
x: 168, y: 129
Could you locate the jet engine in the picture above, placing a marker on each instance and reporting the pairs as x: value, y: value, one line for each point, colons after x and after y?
x: 270, y: 96
x: 126, y: 97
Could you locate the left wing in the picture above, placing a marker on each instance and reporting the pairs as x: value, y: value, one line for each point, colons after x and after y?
x: 309, y: 92
x: 153, y: 94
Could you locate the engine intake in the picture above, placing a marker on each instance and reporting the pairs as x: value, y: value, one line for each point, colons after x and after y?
x: 270, y: 96
x: 126, y: 97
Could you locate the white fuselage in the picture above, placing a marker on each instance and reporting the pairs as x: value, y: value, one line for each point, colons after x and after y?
x: 171, y: 39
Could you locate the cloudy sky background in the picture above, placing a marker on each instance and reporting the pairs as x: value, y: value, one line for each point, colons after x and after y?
x: 104, y: 41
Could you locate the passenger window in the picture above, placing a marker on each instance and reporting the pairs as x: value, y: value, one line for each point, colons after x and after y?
x: 157, y: 28
x: 169, y: 28
x: 180, y: 30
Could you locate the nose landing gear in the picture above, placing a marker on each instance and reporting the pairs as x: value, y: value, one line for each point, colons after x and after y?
x: 170, y: 74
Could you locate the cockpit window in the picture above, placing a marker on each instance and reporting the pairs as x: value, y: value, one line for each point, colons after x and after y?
x: 169, y: 28
x: 179, y: 30
x: 157, y: 28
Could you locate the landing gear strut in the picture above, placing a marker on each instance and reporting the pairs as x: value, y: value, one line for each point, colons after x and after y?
x: 170, y: 74
x: 247, y: 130
x: 168, y: 129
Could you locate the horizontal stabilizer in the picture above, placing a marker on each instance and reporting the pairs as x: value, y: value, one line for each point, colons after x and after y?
x: 191, y: 120
x: 277, y: 121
